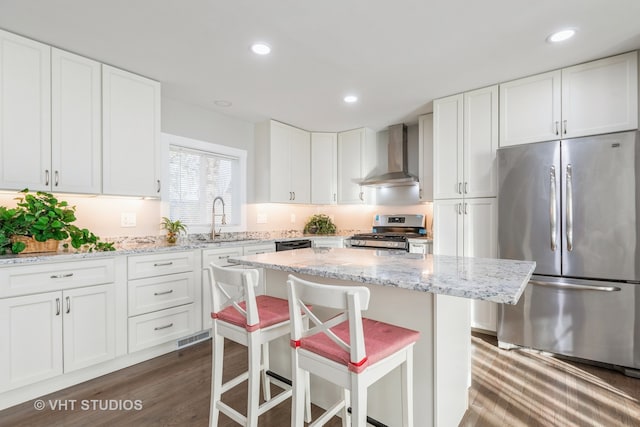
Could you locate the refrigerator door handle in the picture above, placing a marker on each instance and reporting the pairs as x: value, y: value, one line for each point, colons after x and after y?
x: 553, y: 208
x: 575, y: 286
x: 569, y: 214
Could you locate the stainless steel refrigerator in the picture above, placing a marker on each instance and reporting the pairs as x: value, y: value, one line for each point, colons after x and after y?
x: 572, y: 206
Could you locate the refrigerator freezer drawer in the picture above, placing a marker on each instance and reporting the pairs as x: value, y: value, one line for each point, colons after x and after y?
x: 587, y: 319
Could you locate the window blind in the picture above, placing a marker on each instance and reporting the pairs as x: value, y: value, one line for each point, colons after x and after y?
x: 195, y: 179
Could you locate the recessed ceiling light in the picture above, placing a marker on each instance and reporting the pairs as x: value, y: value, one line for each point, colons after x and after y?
x: 561, y: 36
x: 222, y: 103
x: 260, y: 48
x: 350, y: 99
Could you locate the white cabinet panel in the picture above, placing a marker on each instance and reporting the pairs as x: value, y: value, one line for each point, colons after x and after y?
x: 530, y: 109
x: 600, y: 96
x: 158, y: 293
x: 283, y: 163
x: 480, y: 143
x: 131, y: 134
x: 447, y: 227
x: 587, y: 99
x: 447, y: 147
x: 356, y: 160
x: 155, y: 328
x: 425, y: 157
x: 89, y: 326
x: 25, y: 113
x: 31, y: 330
x: 76, y: 132
x: 324, y: 172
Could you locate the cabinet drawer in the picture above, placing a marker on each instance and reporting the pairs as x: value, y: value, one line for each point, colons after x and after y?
x: 152, y: 329
x: 29, y: 279
x: 157, y: 293
x: 220, y: 256
x: 261, y: 248
x: 141, y: 266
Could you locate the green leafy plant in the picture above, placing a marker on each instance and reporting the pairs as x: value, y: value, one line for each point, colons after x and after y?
x: 42, y: 216
x: 319, y: 224
x: 174, y: 228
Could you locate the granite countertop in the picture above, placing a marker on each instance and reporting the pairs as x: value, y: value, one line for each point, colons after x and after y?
x: 141, y: 246
x: 497, y: 280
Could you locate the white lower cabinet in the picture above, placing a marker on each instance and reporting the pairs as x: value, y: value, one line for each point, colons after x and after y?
x: 468, y: 227
x: 328, y: 242
x: 420, y: 246
x: 46, y: 334
x: 163, y: 292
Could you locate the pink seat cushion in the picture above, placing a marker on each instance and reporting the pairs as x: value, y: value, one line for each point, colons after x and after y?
x: 380, y: 340
x: 271, y: 311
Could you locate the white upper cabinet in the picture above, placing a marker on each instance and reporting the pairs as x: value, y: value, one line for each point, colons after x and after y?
x: 425, y: 157
x: 356, y: 160
x: 283, y: 163
x: 480, y: 142
x: 447, y: 147
x: 324, y: 168
x: 530, y: 109
x: 587, y: 99
x: 25, y: 113
x: 75, y: 123
x: 465, y: 129
x: 130, y: 134
x: 600, y: 96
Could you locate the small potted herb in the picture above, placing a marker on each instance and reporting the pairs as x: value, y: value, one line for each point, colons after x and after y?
x: 319, y: 224
x: 174, y: 229
x: 39, y: 221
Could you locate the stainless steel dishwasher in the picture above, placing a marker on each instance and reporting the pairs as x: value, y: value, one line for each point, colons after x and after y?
x: 289, y: 245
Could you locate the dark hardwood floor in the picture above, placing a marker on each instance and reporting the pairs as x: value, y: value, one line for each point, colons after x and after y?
x: 510, y: 388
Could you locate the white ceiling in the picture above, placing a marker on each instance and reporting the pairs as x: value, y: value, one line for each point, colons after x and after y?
x: 396, y: 55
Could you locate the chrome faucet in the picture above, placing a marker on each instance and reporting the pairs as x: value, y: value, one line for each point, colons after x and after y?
x: 213, y: 217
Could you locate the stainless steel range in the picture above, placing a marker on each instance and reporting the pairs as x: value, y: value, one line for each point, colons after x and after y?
x: 391, y: 232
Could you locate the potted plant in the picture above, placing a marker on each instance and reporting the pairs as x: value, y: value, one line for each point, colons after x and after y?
x: 39, y: 222
x: 319, y: 224
x: 174, y: 229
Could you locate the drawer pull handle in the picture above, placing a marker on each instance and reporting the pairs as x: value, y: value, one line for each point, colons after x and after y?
x: 157, y: 328
x: 68, y: 305
x: 163, y: 293
x: 61, y: 276
x: 223, y: 256
x: 57, y: 306
x: 162, y: 264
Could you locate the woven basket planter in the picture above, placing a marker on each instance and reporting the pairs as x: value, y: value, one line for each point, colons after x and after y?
x: 33, y: 246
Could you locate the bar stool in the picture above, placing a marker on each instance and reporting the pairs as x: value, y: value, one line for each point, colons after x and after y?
x: 253, y: 321
x: 348, y: 350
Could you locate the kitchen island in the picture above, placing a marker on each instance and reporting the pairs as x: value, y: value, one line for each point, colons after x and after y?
x: 428, y: 293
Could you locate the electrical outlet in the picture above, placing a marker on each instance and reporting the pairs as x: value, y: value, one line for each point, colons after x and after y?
x: 128, y: 219
x: 293, y: 218
x: 262, y: 218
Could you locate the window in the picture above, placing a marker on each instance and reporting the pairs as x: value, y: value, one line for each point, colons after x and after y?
x: 199, y: 172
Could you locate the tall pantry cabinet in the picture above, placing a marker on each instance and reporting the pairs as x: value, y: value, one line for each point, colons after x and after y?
x: 465, y: 185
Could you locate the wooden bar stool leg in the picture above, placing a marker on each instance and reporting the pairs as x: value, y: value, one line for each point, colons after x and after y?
x: 253, y: 398
x: 346, y: 417
x: 358, y: 402
x: 407, y: 389
x: 217, y: 358
x: 300, y: 387
x: 266, y: 379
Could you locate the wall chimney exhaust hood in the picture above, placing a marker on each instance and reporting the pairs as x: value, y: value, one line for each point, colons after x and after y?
x: 398, y: 174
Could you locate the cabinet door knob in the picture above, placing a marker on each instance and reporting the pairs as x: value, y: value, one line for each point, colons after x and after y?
x: 68, y: 305
x: 294, y: 195
x: 564, y: 127
x: 466, y: 208
x: 459, y: 188
x: 158, y: 185
x: 556, y: 127
x: 57, y: 306
x: 466, y: 187
x: 56, y: 178
x: 46, y: 177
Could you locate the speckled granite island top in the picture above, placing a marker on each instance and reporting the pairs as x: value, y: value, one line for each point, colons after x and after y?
x: 496, y: 280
